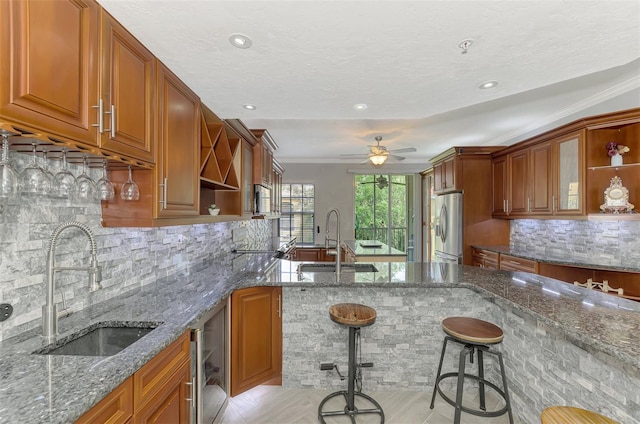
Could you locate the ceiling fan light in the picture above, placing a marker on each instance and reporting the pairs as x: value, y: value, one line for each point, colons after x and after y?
x: 378, y: 160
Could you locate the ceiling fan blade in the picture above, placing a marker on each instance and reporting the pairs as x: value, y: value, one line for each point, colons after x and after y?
x: 356, y: 155
x: 405, y: 150
x: 396, y: 157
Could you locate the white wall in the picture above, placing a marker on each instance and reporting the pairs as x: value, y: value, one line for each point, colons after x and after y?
x: 334, y: 189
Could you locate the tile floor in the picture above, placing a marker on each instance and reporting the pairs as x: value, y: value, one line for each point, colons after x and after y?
x: 275, y: 405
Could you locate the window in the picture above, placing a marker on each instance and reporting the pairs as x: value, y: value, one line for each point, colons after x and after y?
x: 382, y: 206
x: 298, y: 207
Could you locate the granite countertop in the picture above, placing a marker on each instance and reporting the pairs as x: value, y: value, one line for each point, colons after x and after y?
x: 583, y: 260
x: 59, y: 389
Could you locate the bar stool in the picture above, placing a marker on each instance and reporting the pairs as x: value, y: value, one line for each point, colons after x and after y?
x: 572, y: 415
x: 475, y: 335
x: 354, y: 316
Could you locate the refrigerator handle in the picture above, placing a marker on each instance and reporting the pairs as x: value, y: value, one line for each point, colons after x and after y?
x: 443, y: 222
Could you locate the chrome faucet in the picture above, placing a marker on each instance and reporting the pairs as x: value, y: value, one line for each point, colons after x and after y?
x: 338, y: 249
x: 49, y: 309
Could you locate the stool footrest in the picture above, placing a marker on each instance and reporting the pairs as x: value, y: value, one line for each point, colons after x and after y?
x: 468, y: 410
x: 377, y: 409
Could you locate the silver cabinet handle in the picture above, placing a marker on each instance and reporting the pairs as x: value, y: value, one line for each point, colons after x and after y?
x: 190, y: 384
x: 279, y: 306
x: 100, y: 123
x: 553, y: 203
x: 514, y: 262
x: 112, y: 112
x: 163, y: 201
x: 528, y: 204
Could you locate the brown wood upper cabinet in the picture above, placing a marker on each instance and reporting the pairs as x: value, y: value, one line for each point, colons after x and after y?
x: 444, y: 174
x: 49, y: 69
x: 545, y: 178
x: 73, y: 73
x: 171, y: 189
x: 263, y: 158
x: 127, y: 93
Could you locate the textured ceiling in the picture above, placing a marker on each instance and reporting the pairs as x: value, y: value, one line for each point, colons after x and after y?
x: 312, y: 61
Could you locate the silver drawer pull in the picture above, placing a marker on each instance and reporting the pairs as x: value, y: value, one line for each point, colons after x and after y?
x: 514, y: 262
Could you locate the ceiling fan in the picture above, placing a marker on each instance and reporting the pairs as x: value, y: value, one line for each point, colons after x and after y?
x: 379, y: 154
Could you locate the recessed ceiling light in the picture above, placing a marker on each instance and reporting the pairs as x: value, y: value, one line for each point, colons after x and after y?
x: 360, y: 106
x: 488, y: 84
x: 249, y: 107
x: 240, y: 41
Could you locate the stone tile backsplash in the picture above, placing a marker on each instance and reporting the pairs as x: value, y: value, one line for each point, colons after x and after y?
x: 617, y: 241
x: 130, y: 257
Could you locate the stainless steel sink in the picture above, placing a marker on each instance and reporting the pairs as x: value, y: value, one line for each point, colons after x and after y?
x: 331, y: 267
x: 104, y: 339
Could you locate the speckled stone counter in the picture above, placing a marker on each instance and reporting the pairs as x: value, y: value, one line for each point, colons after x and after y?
x: 566, y: 259
x: 58, y: 389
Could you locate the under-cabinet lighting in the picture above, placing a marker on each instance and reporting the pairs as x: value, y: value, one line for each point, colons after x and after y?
x: 584, y: 302
x: 517, y: 280
x: 551, y: 291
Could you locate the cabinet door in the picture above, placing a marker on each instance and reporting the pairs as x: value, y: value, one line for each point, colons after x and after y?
x: 115, y: 408
x: 49, y: 67
x: 449, y: 173
x: 438, y: 177
x: 540, y: 186
x: 178, y: 153
x: 127, y: 92
x: 256, y: 337
x: 568, y: 198
x: 500, y: 186
x: 172, y: 404
x: 247, y: 179
x: 308, y: 254
x: 518, y: 199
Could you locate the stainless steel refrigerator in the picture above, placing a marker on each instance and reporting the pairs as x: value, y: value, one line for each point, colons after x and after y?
x: 448, y: 228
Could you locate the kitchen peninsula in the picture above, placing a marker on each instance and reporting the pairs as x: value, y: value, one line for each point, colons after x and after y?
x: 556, y: 335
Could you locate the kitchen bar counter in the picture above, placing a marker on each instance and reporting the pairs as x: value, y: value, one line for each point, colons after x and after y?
x: 566, y: 259
x: 373, y: 250
x: 59, y: 389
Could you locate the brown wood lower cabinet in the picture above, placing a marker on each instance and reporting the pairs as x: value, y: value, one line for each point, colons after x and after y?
x: 512, y: 263
x: 485, y: 258
x: 159, y: 392
x: 629, y: 282
x: 315, y: 254
x: 256, y: 338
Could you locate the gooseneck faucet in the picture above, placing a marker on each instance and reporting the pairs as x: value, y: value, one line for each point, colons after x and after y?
x: 49, y: 310
x: 338, y: 249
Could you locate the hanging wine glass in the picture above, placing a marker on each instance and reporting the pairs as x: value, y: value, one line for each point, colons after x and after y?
x: 85, y: 187
x: 45, y: 168
x: 8, y: 175
x: 104, y: 186
x: 32, y: 179
x: 64, y: 183
x: 129, y: 189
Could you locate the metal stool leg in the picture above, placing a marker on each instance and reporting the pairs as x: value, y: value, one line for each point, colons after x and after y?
x: 350, y: 410
x: 352, y: 368
x: 481, y: 379
x: 461, y: 365
x: 504, y: 386
x: 435, y: 385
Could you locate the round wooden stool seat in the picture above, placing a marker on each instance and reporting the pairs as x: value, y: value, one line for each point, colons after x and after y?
x: 472, y: 330
x: 572, y: 415
x: 352, y: 314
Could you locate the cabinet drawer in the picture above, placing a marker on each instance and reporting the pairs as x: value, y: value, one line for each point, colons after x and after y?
x: 485, y: 254
x: 115, y: 408
x: 512, y: 263
x: 150, y: 379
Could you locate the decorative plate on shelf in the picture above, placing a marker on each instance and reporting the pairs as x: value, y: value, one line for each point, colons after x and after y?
x: 616, y: 198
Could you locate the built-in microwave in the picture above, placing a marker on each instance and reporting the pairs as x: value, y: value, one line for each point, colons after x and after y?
x: 262, y: 200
